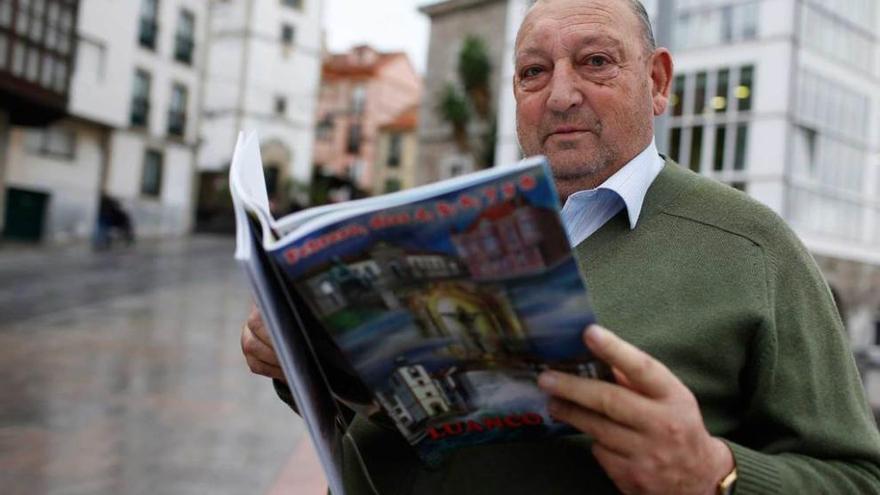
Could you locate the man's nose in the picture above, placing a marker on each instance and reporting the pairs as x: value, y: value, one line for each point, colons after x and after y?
x: 564, y: 91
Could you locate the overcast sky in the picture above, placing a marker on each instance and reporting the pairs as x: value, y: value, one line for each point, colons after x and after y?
x: 388, y: 25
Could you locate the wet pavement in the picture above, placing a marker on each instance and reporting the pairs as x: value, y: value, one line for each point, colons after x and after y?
x: 120, y: 373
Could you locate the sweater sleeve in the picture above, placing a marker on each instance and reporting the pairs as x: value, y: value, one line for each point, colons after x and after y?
x: 807, y: 423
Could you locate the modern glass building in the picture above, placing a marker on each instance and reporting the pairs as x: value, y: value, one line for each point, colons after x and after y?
x: 781, y: 99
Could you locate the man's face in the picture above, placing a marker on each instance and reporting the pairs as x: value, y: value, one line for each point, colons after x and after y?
x: 583, y: 89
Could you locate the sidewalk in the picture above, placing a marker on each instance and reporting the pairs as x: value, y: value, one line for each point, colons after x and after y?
x: 301, y: 475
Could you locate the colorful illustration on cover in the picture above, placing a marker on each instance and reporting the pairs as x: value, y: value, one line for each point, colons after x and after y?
x: 449, y: 308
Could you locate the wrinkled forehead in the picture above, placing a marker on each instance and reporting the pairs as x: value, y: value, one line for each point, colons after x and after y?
x: 576, y: 19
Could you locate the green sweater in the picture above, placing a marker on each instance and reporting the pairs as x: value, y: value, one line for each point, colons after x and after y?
x: 719, y: 289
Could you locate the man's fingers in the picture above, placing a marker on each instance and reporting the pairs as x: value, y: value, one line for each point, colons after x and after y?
x: 614, y: 436
x: 258, y: 328
x: 610, y: 400
x: 264, y: 369
x: 253, y: 346
x: 644, y: 373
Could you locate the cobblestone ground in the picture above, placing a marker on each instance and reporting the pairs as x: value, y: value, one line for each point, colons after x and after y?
x: 120, y: 373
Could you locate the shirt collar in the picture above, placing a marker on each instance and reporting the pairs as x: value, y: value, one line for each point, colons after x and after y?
x: 631, y: 182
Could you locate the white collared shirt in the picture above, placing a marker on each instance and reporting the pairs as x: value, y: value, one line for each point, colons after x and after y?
x: 586, y: 211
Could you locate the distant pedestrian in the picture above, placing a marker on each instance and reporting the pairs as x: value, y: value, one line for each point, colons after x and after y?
x: 112, y: 220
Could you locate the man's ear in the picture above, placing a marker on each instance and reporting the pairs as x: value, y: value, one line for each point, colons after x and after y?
x: 661, y: 79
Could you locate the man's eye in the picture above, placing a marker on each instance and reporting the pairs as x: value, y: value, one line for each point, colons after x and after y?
x: 597, y: 61
x: 531, y: 72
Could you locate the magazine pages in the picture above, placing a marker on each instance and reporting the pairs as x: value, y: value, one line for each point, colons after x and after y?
x: 445, y: 301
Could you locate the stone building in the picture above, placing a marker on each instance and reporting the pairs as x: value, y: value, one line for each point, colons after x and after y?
x: 361, y: 90
x: 452, y: 22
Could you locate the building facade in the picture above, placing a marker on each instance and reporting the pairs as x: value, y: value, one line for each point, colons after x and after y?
x: 37, y: 43
x: 361, y: 90
x: 779, y: 98
x: 262, y: 73
x: 130, y: 129
x: 397, y: 153
x: 452, y: 22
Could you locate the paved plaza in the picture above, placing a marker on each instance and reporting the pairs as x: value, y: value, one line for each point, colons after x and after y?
x: 121, y: 373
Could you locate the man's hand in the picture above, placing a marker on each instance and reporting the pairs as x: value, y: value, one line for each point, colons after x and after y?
x: 257, y: 348
x: 648, y: 431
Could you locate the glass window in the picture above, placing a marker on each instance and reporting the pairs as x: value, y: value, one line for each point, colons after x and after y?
x: 354, y: 139
x: 678, y: 95
x: 280, y: 105
x: 149, y: 23
x: 151, y: 175
x: 358, y: 99
x: 177, y: 110
x: 56, y: 141
x: 696, y: 148
x: 295, y: 4
x: 392, y: 185
x: 742, y: 141
x: 287, y: 34
x: 394, y: 150
x: 744, y: 89
x: 722, y: 85
x: 700, y: 93
x: 720, y: 141
x: 675, y: 144
x: 140, y: 99
x: 184, y: 40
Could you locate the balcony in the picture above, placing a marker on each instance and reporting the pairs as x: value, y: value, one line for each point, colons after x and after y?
x: 176, y: 124
x: 35, y: 66
x: 140, y: 112
x: 149, y: 31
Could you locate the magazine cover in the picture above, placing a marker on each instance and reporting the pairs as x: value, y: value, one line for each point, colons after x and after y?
x: 449, y: 307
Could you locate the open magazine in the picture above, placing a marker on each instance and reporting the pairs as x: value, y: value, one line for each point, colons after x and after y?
x: 434, y: 308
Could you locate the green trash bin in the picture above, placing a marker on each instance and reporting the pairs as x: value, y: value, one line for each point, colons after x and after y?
x: 25, y: 214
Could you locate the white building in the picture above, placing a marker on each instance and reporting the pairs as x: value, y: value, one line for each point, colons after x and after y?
x: 780, y: 98
x: 131, y: 130
x: 262, y: 74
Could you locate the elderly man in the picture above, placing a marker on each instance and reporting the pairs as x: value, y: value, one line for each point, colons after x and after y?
x: 745, y: 383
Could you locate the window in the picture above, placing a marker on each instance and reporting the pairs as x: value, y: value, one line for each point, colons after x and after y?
x: 722, y: 83
x: 55, y: 141
x: 696, y: 148
x: 354, y: 139
x: 358, y: 99
x: 184, y: 43
x: 743, y: 92
x: 394, y: 149
x: 294, y: 4
x: 151, y: 175
x: 280, y: 105
x: 392, y: 185
x: 710, y: 132
x: 675, y: 144
x: 140, y: 99
x: 287, y: 34
x: 742, y: 141
x: 700, y: 93
x: 324, y: 128
x: 678, y: 96
x: 149, y: 24
x: 720, y: 141
x: 177, y: 111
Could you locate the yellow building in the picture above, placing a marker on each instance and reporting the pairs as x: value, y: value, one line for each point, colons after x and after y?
x: 398, y: 147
